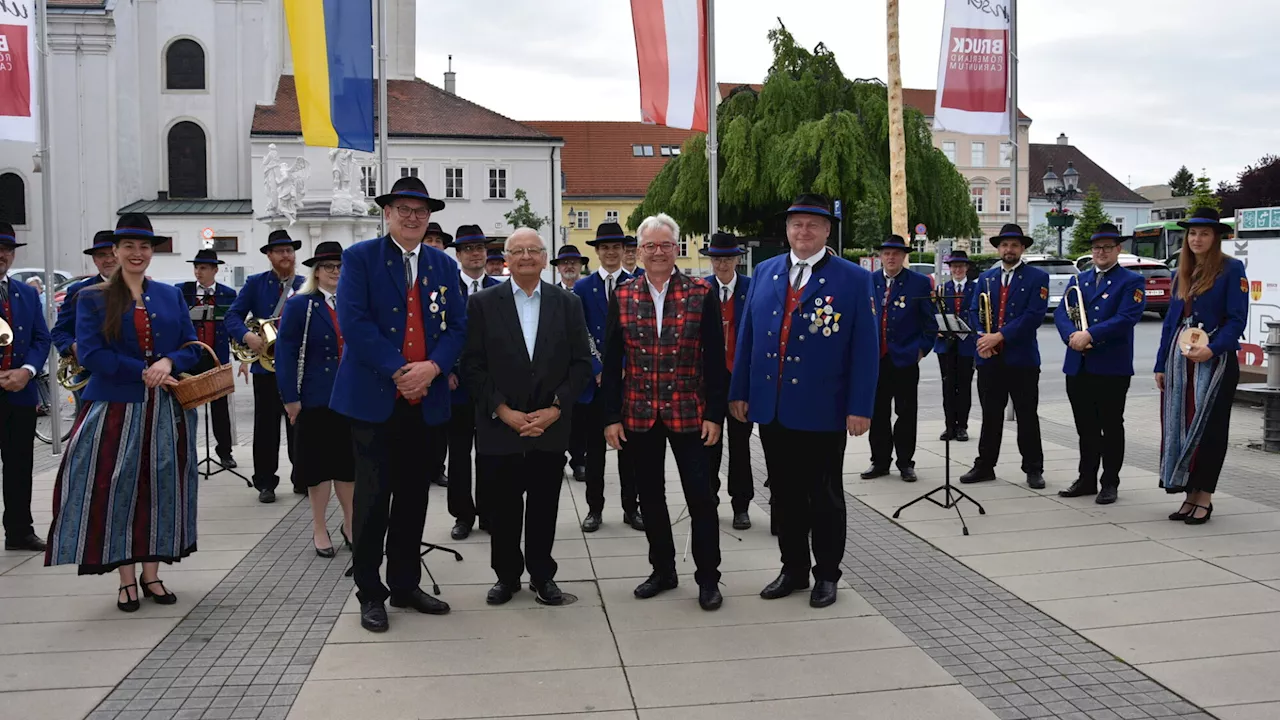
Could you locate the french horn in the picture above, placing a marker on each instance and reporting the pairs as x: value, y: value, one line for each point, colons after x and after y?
x: 6, y: 333
x: 70, y: 374
x: 265, y: 329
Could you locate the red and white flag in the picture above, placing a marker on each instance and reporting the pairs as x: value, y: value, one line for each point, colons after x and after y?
x: 973, y: 69
x: 671, y: 46
x: 18, y: 72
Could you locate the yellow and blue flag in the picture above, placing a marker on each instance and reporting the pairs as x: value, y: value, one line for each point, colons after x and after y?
x: 332, y: 44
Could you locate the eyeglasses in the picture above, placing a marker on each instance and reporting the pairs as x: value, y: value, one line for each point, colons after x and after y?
x: 665, y: 247
x: 1104, y: 248
x: 420, y: 213
x: 526, y: 252
x: 329, y: 267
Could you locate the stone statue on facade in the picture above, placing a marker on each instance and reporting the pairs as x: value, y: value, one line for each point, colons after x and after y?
x: 285, y: 185
x: 345, y: 202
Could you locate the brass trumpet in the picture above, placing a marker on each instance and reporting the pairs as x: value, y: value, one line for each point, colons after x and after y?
x: 265, y: 329
x: 69, y: 370
x: 985, y: 313
x: 1078, y: 313
x: 6, y: 333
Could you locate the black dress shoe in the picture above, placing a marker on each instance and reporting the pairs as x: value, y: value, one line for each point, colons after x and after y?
x: 875, y: 471
x: 1079, y: 488
x: 131, y: 603
x: 635, y: 520
x: 484, y: 525
x: 709, y: 597
x: 978, y: 475
x: 227, y: 462
x: 741, y: 521
x: 1035, y: 481
x: 266, y: 496
x: 31, y: 542
x: 501, y: 592
x: 299, y: 490
x: 461, y: 530
x: 373, y: 616
x: 591, y: 522
x: 345, y: 540
x: 547, y: 592
x: 442, y: 480
x: 823, y: 594
x: 783, y: 586
x: 580, y: 474
x: 908, y: 474
x: 1193, y: 519
x: 162, y: 598
x: 415, y: 599
x: 947, y: 436
x: 1107, y: 496
x: 1179, y: 516
x: 962, y: 436
x: 656, y: 584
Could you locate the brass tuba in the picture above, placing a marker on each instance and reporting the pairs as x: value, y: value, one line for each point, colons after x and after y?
x: 1077, y: 313
x: 265, y: 329
x: 70, y: 374
x: 6, y: 333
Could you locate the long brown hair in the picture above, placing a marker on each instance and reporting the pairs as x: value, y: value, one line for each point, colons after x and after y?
x: 1197, y: 275
x: 118, y: 298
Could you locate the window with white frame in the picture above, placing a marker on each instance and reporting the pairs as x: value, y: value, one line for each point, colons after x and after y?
x: 408, y: 171
x: 1119, y: 222
x: 684, y: 247
x: 369, y: 180
x: 611, y: 216
x: 666, y: 151
x: 1006, y: 150
x: 978, y: 196
x: 949, y: 149
x: 1006, y: 199
x: 637, y: 151
x: 455, y: 187
x: 978, y: 154
x: 497, y: 183
x: 583, y: 220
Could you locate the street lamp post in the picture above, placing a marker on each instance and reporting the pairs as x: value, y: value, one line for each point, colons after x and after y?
x: 1061, y: 190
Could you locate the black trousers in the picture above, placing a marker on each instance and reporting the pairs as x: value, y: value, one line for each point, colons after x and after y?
x: 805, y: 478
x: 593, y: 430
x: 1097, y: 403
x: 648, y: 450
x: 17, y: 455
x: 220, y: 413
x: 1206, y: 465
x: 268, y: 411
x: 742, y: 489
x: 897, y: 388
x: 997, y: 385
x: 462, y: 435
x: 578, y: 436
x: 957, y: 389
x: 525, y: 491
x: 391, y: 498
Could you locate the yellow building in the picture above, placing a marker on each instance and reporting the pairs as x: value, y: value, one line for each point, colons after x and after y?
x: 607, y: 168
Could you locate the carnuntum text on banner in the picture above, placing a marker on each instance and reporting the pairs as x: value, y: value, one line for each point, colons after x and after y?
x: 17, y: 70
x: 973, y: 68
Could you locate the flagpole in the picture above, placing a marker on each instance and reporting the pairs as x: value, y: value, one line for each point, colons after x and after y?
x: 897, y: 136
x: 713, y: 149
x: 1013, y: 107
x: 384, y: 170
x: 46, y: 211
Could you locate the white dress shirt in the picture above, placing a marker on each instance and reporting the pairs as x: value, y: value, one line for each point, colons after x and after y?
x: 330, y: 299
x: 1006, y: 276
x: 473, y: 285
x: 413, y: 262
x: 808, y: 269
x: 529, y: 310
x: 730, y: 286
x: 605, y: 275
x: 659, y: 295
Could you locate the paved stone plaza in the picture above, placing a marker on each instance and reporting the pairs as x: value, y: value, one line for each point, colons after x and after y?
x: 1051, y: 608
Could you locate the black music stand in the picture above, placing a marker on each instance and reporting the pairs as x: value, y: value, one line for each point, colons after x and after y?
x: 422, y: 558
x: 951, y: 330
x: 208, y: 462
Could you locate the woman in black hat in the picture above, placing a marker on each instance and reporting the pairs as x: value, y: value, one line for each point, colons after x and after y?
x: 1196, y: 364
x: 126, y: 490
x: 308, y: 351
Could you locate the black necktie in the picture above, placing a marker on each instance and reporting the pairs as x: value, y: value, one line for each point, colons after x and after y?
x: 475, y: 286
x: 724, y: 291
x: 408, y: 271
x: 610, y: 287
x: 800, y: 266
x: 4, y: 290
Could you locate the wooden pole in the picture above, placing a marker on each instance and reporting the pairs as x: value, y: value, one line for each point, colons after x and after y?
x: 897, y: 136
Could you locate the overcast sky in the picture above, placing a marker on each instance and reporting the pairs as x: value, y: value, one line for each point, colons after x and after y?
x: 1141, y: 86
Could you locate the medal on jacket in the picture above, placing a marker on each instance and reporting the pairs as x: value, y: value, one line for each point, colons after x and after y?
x: 1193, y: 337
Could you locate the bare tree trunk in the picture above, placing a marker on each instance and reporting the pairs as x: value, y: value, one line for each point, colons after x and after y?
x: 897, y: 136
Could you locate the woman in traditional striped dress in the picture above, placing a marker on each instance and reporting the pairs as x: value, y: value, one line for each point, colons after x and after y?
x: 126, y: 490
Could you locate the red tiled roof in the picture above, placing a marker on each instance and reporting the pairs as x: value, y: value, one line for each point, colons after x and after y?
x: 923, y: 100
x: 1044, y: 155
x: 597, y: 158
x: 418, y: 109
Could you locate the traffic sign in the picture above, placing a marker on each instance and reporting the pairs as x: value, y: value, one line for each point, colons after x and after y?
x: 839, y: 214
x: 207, y: 233
x: 921, y: 229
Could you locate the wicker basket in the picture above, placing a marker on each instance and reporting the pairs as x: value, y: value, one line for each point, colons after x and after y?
x: 192, y: 391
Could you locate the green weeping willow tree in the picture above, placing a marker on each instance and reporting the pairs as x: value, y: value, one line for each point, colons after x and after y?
x: 810, y: 129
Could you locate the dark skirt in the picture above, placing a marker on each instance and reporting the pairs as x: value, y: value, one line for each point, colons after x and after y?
x: 322, y: 447
x: 126, y: 489
x: 1206, y: 463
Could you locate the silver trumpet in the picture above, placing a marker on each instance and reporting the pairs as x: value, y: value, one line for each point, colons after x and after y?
x: 1077, y: 312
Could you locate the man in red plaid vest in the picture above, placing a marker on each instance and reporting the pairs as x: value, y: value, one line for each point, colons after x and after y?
x: 665, y: 328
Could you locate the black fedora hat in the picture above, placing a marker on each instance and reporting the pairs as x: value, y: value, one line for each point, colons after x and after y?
x: 630, y: 242
x: 723, y: 245
x: 957, y: 256
x: 327, y: 250
x: 469, y: 235
x: 433, y: 228
x: 568, y: 252
x: 8, y: 238
x: 410, y: 187
x: 809, y: 204
x: 1106, y: 231
x: 136, y: 226
x: 206, y: 257
x: 894, y: 242
x: 495, y: 254
x: 278, y: 238
x: 102, y: 240
x: 1206, y: 217
x: 609, y: 232
x: 1011, y: 230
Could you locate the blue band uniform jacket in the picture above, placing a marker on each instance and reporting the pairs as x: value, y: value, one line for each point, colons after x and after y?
x: 595, y: 308
x: 911, y: 328
x: 1113, y: 306
x: 460, y: 396
x: 1027, y: 306
x: 321, y: 352
x: 829, y: 372
x: 64, y: 328
x: 740, y: 290
x: 258, y: 297
x: 31, y: 338
x: 372, y: 314
x: 1223, y: 312
x: 969, y: 345
x: 225, y: 296
x: 116, y: 367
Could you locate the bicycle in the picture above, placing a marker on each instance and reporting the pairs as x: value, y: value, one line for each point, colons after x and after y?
x: 67, y: 403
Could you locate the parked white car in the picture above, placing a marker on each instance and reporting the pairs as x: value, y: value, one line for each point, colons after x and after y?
x: 1060, y: 271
